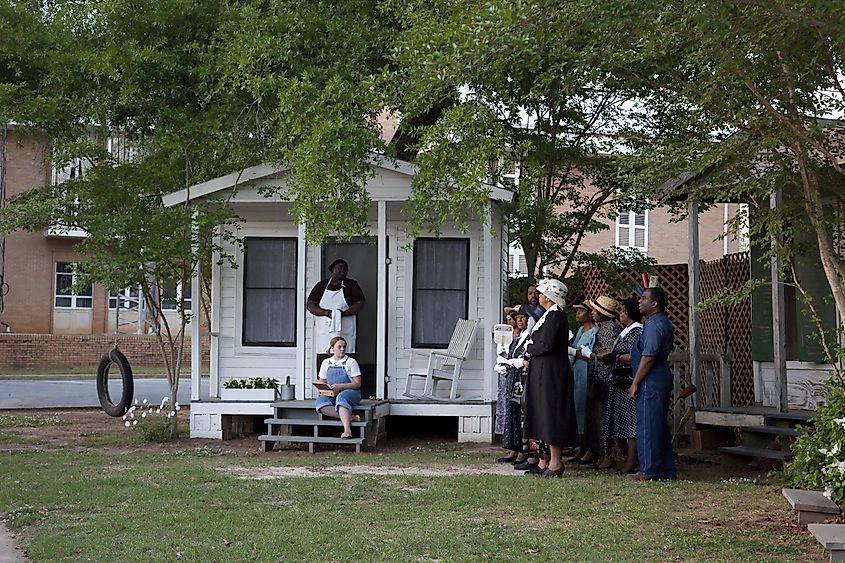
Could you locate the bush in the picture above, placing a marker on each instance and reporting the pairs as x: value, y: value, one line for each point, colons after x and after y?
x: 251, y: 383
x: 154, y: 423
x: 819, y: 462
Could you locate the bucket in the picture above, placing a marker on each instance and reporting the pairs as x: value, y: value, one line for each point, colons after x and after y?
x: 288, y: 392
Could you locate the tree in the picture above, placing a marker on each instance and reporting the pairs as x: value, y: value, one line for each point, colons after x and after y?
x: 499, y: 94
x: 738, y: 91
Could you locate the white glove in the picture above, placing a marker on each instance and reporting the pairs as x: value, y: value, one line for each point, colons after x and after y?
x: 586, y: 352
x: 502, y: 360
x: 516, y: 362
x: 500, y: 368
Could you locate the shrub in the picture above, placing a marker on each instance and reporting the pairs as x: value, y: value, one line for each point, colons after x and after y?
x: 819, y: 462
x: 154, y: 423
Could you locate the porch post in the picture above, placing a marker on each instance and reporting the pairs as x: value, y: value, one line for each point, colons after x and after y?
x: 381, y: 306
x: 778, y: 316
x: 694, y: 296
x: 196, y: 342
x: 491, y: 309
x: 214, y: 360
x: 300, y: 380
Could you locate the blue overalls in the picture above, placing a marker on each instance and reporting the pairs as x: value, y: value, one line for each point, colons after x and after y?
x: 347, y: 398
x: 654, y: 441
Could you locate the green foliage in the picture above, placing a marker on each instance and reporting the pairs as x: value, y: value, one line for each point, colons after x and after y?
x: 251, y: 383
x: 819, y: 462
x: 17, y: 421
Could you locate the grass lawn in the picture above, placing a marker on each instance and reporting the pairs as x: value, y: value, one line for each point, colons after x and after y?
x: 112, y: 500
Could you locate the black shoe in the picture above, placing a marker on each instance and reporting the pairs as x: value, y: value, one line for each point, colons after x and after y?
x: 555, y: 473
x: 523, y: 465
x: 535, y: 470
x: 510, y: 459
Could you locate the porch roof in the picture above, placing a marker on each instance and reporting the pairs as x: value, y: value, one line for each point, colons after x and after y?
x: 253, y: 173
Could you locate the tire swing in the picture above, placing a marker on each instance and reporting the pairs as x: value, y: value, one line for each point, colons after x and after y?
x: 115, y: 356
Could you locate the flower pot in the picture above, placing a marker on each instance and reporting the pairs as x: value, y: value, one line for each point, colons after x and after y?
x: 251, y: 395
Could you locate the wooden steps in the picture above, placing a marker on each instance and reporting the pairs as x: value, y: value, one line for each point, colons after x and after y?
x: 832, y: 537
x: 764, y: 433
x: 298, y: 422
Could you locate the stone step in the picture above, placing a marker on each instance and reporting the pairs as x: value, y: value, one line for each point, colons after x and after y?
x: 311, y: 422
x: 812, y: 506
x: 745, y: 451
x: 832, y: 537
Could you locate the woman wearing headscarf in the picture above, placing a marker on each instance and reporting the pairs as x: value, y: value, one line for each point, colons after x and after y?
x: 549, y: 405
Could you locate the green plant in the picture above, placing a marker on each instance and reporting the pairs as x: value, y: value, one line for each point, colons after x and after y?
x: 819, y: 462
x: 14, y: 421
x: 251, y: 383
x: 153, y: 422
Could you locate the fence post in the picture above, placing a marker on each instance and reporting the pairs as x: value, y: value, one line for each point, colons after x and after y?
x: 725, y: 361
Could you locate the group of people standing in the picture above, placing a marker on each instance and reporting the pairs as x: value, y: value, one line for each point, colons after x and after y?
x: 599, y: 395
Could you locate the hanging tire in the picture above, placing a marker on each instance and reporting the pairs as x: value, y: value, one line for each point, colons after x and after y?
x: 119, y: 408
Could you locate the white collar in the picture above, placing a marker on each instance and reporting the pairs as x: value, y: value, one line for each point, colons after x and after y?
x: 539, y: 323
x: 340, y: 362
x: 628, y: 329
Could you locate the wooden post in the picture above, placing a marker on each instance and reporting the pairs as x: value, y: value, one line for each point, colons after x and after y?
x: 490, y: 311
x: 216, y: 287
x: 694, y: 296
x: 778, y: 316
x: 725, y: 361
x: 302, y: 379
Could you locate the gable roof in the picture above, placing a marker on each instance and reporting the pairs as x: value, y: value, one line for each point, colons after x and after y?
x: 259, y: 171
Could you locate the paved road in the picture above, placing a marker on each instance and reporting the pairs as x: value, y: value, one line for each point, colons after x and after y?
x: 50, y: 393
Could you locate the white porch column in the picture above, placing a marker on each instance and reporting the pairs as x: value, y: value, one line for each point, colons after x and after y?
x: 694, y: 296
x: 778, y: 317
x: 490, y: 311
x: 216, y: 282
x: 301, y: 381
x: 196, y: 342
x: 381, y: 306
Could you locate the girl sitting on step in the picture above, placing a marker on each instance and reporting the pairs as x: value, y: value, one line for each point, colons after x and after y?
x: 343, y: 375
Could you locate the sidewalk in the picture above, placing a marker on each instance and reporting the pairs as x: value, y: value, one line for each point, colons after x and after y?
x: 8, y: 552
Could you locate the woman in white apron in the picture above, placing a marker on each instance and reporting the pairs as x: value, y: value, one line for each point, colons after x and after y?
x: 335, y: 303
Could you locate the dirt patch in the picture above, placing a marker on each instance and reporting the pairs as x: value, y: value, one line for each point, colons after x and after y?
x: 263, y: 473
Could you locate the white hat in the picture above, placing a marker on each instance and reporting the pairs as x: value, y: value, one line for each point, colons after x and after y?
x: 554, y: 289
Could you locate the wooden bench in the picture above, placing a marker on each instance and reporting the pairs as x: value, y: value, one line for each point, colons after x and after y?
x: 812, y: 506
x: 832, y: 537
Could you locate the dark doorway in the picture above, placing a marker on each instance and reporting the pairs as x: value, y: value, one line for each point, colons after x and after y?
x: 362, y: 256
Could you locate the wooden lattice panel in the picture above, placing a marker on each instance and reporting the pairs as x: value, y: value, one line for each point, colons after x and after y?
x: 724, y: 329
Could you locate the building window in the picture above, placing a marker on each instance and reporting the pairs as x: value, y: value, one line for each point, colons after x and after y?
x: 441, y: 290
x: 632, y: 230
x: 65, y: 297
x: 172, y: 293
x: 269, y: 292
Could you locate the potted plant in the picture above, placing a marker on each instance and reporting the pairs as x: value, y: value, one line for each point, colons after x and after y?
x: 250, y: 389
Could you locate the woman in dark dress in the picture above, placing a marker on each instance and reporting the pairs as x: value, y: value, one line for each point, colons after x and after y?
x: 620, y: 414
x: 549, y: 403
x: 511, y: 364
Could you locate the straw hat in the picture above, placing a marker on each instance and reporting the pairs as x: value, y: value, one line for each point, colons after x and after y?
x: 554, y: 289
x: 607, y: 306
x: 509, y: 310
x: 584, y: 306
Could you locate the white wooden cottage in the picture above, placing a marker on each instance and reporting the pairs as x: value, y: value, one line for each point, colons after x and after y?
x: 260, y: 326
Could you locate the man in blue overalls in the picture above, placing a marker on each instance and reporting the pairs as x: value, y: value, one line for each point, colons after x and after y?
x: 652, y: 388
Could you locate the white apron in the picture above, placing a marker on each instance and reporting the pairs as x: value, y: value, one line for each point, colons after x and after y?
x: 325, y: 329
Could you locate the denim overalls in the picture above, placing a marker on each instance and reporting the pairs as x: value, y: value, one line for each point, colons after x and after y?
x: 654, y: 441
x: 347, y: 398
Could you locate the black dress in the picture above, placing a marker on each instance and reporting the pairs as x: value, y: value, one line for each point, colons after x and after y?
x: 512, y: 435
x: 549, y: 403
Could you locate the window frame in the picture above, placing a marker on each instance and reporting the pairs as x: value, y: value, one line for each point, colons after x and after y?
x: 632, y: 228
x: 253, y: 347
x: 74, y: 297
x: 415, y: 300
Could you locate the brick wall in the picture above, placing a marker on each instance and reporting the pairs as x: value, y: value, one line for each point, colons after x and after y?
x: 55, y: 352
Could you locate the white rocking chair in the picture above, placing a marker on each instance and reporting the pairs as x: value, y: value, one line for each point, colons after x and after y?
x: 442, y: 365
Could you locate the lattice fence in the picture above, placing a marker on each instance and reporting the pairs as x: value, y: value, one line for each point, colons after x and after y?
x: 725, y: 330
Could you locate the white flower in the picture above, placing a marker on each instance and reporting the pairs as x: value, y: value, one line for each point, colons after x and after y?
x: 124, y: 417
x: 165, y: 400
x: 824, y: 451
x: 840, y: 421
x: 126, y: 424
x: 178, y: 408
x: 132, y: 409
x: 136, y: 402
x: 134, y: 423
x: 144, y: 415
x: 827, y: 493
x: 840, y: 465
x: 158, y: 411
x: 144, y: 401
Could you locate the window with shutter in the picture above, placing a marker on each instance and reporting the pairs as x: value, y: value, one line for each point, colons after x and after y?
x: 632, y: 230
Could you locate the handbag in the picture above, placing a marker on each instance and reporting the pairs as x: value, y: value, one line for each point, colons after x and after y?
x: 621, y: 376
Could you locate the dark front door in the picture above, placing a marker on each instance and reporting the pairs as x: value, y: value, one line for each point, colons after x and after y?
x: 362, y: 256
